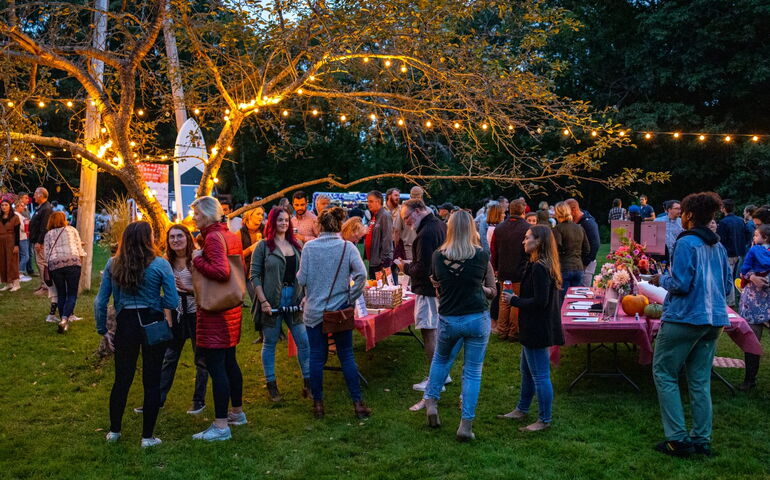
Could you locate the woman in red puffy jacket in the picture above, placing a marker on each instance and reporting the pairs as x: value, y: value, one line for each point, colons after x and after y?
x: 217, y: 333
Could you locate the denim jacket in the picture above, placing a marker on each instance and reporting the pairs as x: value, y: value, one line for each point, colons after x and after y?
x: 158, y: 276
x: 699, y: 280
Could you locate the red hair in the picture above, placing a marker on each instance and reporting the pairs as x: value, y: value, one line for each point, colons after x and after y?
x: 272, y: 227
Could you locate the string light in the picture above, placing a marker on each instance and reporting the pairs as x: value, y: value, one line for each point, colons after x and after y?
x: 41, y: 104
x: 484, y: 126
x: 594, y: 133
x: 373, y: 117
x: 510, y: 127
x: 755, y: 138
x: 564, y: 132
x: 69, y: 104
x: 400, y: 121
x: 388, y: 63
x: 285, y: 113
x: 227, y: 118
x: 343, y: 118
x: 48, y: 154
x: 132, y: 143
x: 311, y: 78
x: 428, y: 124
x: 197, y: 111
x: 214, y: 150
x: 15, y: 159
x: 539, y: 130
x: 300, y: 91
x: 403, y: 69
x: 139, y: 112
x: 229, y: 148
x: 93, y: 104
x: 314, y: 112
x: 104, y: 130
x: 648, y: 136
x: 366, y: 59
x: 456, y: 125
x: 10, y: 104
x: 216, y: 179
x: 622, y: 133
x: 728, y: 139
x: 701, y: 138
x: 227, y: 111
x: 677, y: 135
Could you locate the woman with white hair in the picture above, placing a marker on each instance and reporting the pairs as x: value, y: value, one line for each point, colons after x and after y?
x: 217, y: 333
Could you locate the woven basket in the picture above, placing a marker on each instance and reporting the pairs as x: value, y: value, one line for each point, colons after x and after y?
x: 377, y: 298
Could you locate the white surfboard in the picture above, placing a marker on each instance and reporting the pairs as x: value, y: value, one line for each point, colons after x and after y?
x: 190, y: 154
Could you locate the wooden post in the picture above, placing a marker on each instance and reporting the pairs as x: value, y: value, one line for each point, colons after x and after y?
x: 177, y: 94
x: 88, y: 171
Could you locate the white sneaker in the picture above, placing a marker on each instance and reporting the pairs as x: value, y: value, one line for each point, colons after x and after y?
x: 74, y: 318
x: 150, y: 442
x: 5, y: 288
x: 213, y: 434
x: 447, y: 382
x: 24, y: 278
x: 237, y: 418
x: 52, y: 319
x: 422, y: 386
x: 15, y: 288
x: 112, y: 437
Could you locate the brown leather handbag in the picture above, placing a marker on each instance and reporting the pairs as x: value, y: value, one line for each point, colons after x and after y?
x: 214, y: 296
x: 336, y: 321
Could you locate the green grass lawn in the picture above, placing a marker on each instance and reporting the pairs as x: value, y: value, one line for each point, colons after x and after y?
x: 54, y: 394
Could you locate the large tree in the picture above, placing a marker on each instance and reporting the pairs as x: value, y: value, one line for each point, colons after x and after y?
x: 462, y: 87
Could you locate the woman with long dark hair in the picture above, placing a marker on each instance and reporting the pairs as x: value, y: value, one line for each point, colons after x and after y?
x: 179, y: 248
x: 539, y: 324
x: 10, y: 235
x: 274, y: 267
x: 141, y: 284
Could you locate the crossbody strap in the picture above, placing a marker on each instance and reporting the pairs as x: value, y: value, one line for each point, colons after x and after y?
x: 336, y: 274
x: 50, y: 250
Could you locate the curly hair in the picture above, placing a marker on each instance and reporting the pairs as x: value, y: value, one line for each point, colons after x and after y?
x: 331, y: 219
x: 701, y: 208
x: 135, y: 253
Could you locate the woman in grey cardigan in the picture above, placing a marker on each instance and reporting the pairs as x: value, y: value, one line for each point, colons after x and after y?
x: 320, y: 259
x: 274, y: 266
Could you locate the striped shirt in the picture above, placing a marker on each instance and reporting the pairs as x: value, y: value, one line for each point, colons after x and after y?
x: 617, y: 213
x: 184, y: 277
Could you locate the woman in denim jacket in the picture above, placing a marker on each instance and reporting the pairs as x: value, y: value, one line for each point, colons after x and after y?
x: 694, y: 313
x: 139, y: 281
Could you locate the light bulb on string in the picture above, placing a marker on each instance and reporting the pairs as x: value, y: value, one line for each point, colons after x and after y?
x: 366, y: 59
x: 677, y: 135
x: 343, y: 118
x: 510, y: 127
x: 728, y: 139
x: 285, y: 113
x: 456, y: 125
x: 140, y: 112
x: 69, y: 104
x: 648, y: 136
x: 373, y: 117
x: 701, y: 138
x: 93, y: 104
x: 755, y: 138
x: 197, y: 111
x: 539, y: 130
x: 10, y: 104
x: 132, y: 143
x: 300, y: 91
x: 216, y: 179
x: 388, y: 63
x: 621, y: 133
x: 484, y: 126
x: 429, y: 124
x: 403, y: 69
x: 564, y: 132
x: 311, y: 78
x: 48, y: 154
x: 41, y: 104
x: 594, y: 133
x: 15, y: 159
x: 400, y: 121
x: 226, y: 118
x: 227, y: 111
x: 229, y: 148
x: 314, y: 112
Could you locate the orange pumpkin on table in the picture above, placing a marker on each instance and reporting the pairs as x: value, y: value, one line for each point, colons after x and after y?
x: 633, y: 304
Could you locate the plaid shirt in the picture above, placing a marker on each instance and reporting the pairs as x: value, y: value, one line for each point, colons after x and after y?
x: 617, y: 213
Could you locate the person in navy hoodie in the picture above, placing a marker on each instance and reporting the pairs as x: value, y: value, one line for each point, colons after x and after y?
x: 694, y: 313
x: 732, y: 234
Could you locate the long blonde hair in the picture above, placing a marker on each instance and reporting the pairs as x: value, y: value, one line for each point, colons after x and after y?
x: 462, y: 239
x: 546, y: 252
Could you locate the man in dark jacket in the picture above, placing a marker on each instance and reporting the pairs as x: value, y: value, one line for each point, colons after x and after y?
x: 431, y: 233
x: 732, y: 234
x: 509, y: 261
x: 588, y: 222
x: 38, y: 227
x: 378, y: 243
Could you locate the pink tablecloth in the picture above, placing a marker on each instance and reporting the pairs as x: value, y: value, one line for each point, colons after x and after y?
x: 640, y: 333
x: 375, y: 328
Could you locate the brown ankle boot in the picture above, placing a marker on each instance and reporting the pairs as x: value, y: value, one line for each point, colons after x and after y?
x: 273, y: 393
x: 318, y: 409
x: 362, y: 411
x: 306, y: 389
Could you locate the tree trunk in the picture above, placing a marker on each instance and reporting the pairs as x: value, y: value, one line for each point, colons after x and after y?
x: 88, y: 171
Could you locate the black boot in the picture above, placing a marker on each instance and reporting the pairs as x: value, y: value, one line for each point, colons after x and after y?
x: 306, y: 388
x: 752, y: 368
x: 273, y: 393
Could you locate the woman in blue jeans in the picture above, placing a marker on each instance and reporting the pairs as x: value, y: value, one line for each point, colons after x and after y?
x: 539, y: 325
x: 274, y: 266
x: 333, y: 274
x: 460, y: 268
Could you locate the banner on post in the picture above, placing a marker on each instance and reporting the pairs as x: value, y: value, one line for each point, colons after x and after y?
x: 155, y: 176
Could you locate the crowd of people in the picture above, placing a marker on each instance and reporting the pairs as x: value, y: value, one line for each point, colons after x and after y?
x: 502, y: 271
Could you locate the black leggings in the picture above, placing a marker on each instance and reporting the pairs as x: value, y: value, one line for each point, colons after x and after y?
x: 128, y: 341
x: 226, y: 378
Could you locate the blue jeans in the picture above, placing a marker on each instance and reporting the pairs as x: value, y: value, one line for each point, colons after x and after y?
x: 536, y: 380
x: 319, y: 352
x: 472, y: 330
x: 272, y: 333
x: 23, y: 255
x: 570, y: 278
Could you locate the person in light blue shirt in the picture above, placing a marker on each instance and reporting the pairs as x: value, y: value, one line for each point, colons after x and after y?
x: 673, y: 224
x: 694, y: 313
